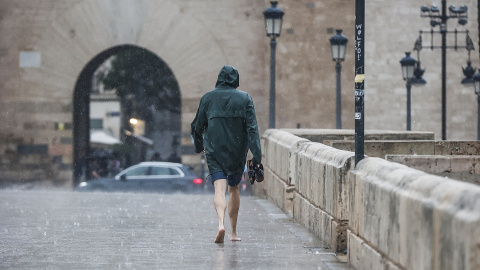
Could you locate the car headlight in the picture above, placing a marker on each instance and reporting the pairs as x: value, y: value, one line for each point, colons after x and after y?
x: 82, y: 184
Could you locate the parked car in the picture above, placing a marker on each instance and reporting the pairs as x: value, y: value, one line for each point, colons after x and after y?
x: 149, y: 177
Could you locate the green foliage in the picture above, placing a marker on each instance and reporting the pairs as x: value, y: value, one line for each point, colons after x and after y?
x: 119, y: 150
x: 141, y: 74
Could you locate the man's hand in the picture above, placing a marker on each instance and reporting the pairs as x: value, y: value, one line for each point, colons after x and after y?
x: 254, y: 165
x: 255, y: 172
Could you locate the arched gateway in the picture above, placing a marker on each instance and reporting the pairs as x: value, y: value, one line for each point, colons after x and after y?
x: 163, y: 125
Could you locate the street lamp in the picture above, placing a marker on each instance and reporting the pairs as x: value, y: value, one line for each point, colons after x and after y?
x: 418, y: 73
x: 439, y: 16
x: 273, y: 26
x: 468, y: 71
x: 408, y: 68
x: 476, y: 85
x: 339, y: 45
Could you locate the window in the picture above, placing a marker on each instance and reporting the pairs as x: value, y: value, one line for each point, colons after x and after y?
x: 96, y: 123
x: 164, y: 171
x: 139, y: 171
x: 160, y: 171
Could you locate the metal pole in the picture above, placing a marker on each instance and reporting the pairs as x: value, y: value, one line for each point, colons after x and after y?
x: 338, y: 68
x: 478, y: 96
x: 273, y: 45
x: 409, y: 117
x: 359, y: 79
x: 478, y: 118
x: 443, y: 30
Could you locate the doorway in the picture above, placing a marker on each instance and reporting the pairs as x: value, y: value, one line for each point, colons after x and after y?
x: 151, y: 97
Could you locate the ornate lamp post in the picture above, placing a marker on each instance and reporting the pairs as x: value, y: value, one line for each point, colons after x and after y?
x: 476, y: 85
x: 408, y: 67
x: 439, y: 17
x: 273, y: 25
x: 339, y: 45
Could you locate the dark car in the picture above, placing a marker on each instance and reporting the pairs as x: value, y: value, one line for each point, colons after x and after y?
x: 149, y: 177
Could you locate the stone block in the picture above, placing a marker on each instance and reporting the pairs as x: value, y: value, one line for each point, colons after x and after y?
x: 361, y: 256
x: 297, y: 207
x: 447, y: 148
x: 322, y: 177
x: 463, y: 168
x: 305, y: 168
x: 60, y: 149
x: 315, y: 221
x: 336, y: 165
x: 38, y: 159
x: 289, y: 195
x: 319, y: 135
x: 391, y: 266
x: 278, y: 148
x: 382, y: 148
x: 276, y: 191
x: 457, y: 225
x: 357, y: 206
x: 339, y: 236
x: 326, y: 235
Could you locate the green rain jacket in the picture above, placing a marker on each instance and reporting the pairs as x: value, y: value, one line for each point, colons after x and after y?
x: 226, y: 126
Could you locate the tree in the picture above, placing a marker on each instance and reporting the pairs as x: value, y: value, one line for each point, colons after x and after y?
x: 142, y: 75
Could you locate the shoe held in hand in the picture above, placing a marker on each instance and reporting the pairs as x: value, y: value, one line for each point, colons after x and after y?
x: 255, y: 172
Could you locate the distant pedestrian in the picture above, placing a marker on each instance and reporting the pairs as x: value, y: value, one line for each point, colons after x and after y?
x: 225, y: 128
x: 156, y: 157
x: 113, y: 167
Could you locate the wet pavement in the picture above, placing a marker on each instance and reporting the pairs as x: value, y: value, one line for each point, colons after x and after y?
x: 59, y: 229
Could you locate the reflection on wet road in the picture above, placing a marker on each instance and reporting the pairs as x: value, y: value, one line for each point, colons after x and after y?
x: 64, y: 229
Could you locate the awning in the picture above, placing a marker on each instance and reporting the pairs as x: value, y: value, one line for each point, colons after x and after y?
x: 138, y: 137
x: 100, y: 137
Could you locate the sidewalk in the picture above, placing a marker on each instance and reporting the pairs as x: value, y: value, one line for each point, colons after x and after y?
x: 70, y: 230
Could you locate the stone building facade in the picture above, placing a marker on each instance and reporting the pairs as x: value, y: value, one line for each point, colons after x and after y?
x: 49, y: 48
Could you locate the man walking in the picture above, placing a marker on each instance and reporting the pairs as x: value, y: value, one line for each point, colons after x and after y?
x: 224, y: 128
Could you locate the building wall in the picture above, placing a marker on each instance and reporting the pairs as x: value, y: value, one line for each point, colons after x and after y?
x: 108, y: 111
x: 195, y: 38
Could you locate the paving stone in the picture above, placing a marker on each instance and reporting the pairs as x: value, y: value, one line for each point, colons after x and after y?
x: 58, y: 229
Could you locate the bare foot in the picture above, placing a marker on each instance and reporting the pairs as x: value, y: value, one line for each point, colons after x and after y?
x: 220, y: 236
x: 234, y: 238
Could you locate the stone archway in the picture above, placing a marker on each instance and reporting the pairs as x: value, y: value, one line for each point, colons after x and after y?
x: 81, y: 116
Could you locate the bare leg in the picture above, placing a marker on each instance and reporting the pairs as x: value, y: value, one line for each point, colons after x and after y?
x: 220, y: 203
x: 233, y: 207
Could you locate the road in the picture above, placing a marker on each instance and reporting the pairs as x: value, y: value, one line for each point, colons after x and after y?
x: 61, y: 229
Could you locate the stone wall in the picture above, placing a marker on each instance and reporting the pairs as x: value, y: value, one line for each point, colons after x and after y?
x: 411, y: 220
x: 298, y: 174
x: 463, y: 168
x: 381, y: 148
x: 454, y: 159
x: 386, y: 215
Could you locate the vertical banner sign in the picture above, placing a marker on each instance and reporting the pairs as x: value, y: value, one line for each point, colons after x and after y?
x: 359, y: 79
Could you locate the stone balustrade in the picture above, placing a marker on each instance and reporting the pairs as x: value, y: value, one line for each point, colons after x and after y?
x: 385, y: 214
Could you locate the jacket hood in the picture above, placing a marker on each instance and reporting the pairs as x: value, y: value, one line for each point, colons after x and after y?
x: 228, y: 76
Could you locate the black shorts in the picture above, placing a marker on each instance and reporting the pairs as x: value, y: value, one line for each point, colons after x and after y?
x: 232, y: 180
